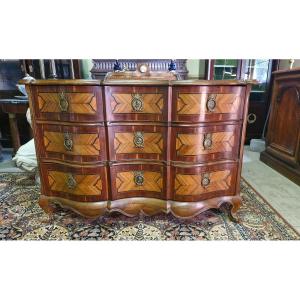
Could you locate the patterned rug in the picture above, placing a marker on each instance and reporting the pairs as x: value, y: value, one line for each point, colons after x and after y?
x: 21, y: 218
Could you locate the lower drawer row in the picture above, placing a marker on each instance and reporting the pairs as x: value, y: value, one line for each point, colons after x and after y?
x: 100, y: 183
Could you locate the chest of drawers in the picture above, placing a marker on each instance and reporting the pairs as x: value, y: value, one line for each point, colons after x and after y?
x: 139, y: 146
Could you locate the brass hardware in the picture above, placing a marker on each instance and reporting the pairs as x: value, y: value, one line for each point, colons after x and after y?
x: 71, y: 182
x: 63, y: 102
x: 68, y: 141
x: 207, y: 141
x: 251, y: 118
x: 137, y: 103
x: 138, y: 139
x: 211, y: 102
x: 205, y: 180
x: 138, y: 178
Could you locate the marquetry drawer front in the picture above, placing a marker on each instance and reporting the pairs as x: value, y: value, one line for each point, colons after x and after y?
x: 137, y: 142
x: 136, y: 103
x: 75, y: 183
x: 72, y: 143
x: 205, y: 143
x: 207, y: 103
x: 200, y: 183
x: 66, y: 103
x: 138, y: 180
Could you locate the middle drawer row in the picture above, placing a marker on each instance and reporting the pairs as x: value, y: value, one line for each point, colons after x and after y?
x: 192, y: 144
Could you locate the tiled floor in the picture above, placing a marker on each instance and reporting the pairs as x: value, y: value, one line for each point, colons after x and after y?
x: 280, y: 192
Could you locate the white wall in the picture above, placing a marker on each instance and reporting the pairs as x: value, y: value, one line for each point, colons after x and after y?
x: 285, y: 64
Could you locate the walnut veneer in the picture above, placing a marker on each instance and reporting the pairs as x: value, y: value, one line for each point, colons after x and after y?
x: 283, y: 138
x: 139, y: 145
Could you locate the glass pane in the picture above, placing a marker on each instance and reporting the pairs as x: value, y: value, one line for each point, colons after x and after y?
x: 225, y: 69
x: 257, y: 69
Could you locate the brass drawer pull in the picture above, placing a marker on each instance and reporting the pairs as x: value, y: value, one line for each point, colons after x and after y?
x: 211, y: 102
x: 207, y: 141
x: 137, y: 103
x: 138, y: 178
x: 63, y: 102
x: 205, y: 180
x: 138, y: 139
x: 68, y: 141
x: 71, y: 182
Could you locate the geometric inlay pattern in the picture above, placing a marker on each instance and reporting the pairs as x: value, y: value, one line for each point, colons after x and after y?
x: 153, y: 182
x: 192, y: 104
x: 192, y: 184
x: 80, y: 103
x: 192, y: 144
x: 82, y: 143
x: 88, y: 185
x: 124, y: 143
x: 152, y: 103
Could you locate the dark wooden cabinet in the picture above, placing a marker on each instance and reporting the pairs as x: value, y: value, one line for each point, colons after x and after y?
x: 139, y: 146
x: 47, y: 68
x: 248, y: 69
x: 14, y: 128
x: 283, y: 139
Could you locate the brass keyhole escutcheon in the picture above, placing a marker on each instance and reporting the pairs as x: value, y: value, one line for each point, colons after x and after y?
x: 205, y: 180
x: 139, y: 178
x: 68, y: 141
x: 137, y: 103
x: 211, y: 102
x: 63, y: 102
x: 138, y: 139
x: 71, y: 182
x: 207, y: 141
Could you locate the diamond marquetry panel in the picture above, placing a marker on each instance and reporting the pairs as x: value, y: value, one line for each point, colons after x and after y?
x: 192, y: 144
x: 80, y: 103
x: 153, y: 182
x: 88, y: 185
x: 124, y: 143
x: 83, y: 144
x: 152, y: 104
x: 193, y: 104
x: 192, y: 184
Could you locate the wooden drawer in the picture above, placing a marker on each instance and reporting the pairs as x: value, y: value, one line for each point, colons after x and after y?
x: 137, y: 142
x: 205, y: 143
x: 68, y: 103
x: 72, y: 143
x: 129, y: 103
x: 75, y: 183
x: 138, y: 180
x: 204, y: 182
x: 207, y: 103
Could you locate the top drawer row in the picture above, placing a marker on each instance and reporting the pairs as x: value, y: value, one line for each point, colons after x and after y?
x: 128, y: 103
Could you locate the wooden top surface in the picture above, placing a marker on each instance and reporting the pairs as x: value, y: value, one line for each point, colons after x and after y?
x: 287, y: 71
x: 135, y: 82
